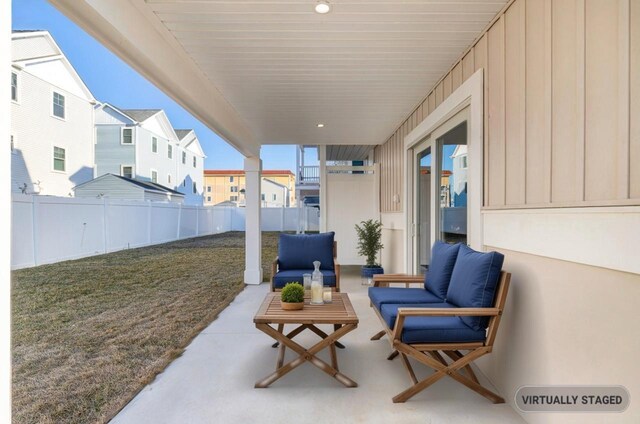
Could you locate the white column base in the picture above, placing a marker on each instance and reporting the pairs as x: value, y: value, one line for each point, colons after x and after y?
x: 253, y: 276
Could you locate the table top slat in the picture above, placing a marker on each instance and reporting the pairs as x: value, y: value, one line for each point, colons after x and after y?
x: 340, y: 311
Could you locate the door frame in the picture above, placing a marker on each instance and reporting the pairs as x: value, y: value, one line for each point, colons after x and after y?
x: 469, y: 94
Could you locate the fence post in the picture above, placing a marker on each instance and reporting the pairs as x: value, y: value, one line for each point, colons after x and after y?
x: 148, y: 222
x: 179, y: 219
x: 35, y: 205
x: 282, y: 218
x: 105, y: 215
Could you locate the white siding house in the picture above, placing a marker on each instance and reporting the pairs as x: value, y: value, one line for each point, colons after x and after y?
x: 274, y: 194
x: 52, y: 131
x: 142, y: 144
x: 190, y: 167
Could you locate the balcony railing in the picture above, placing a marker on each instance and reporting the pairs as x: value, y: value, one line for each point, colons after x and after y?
x: 309, y: 175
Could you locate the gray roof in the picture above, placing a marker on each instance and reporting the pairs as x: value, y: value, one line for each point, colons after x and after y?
x: 140, y: 115
x: 182, y: 133
x: 148, y: 185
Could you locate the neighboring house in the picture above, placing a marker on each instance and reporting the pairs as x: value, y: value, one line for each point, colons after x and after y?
x: 190, y: 167
x: 460, y: 159
x: 274, y: 195
x: 117, y: 187
x: 142, y: 144
x: 52, y: 135
x: 222, y: 185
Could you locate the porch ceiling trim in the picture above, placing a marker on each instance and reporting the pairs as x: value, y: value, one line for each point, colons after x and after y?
x: 125, y: 28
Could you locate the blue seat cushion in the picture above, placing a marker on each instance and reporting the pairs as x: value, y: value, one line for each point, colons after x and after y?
x: 295, y: 275
x: 389, y: 311
x: 443, y: 259
x: 473, y: 282
x: 432, y: 329
x: 299, y: 251
x: 381, y: 295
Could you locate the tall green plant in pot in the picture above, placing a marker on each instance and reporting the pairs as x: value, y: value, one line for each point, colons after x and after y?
x: 369, y: 245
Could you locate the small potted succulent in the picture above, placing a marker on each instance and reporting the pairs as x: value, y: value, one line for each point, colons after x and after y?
x: 369, y: 244
x: 292, y: 296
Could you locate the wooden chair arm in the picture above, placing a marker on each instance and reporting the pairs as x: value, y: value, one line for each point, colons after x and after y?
x: 448, y: 312
x: 438, y: 312
x: 274, y: 271
x: 383, y: 280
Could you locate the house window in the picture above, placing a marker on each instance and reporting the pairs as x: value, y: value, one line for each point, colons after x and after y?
x: 273, y: 197
x: 168, y: 178
x: 194, y: 161
x: 184, y: 158
x: 14, y: 86
x: 234, y: 198
x: 13, y: 143
x: 263, y: 197
x: 126, y: 136
x: 169, y: 151
x: 208, y: 198
x: 154, y: 145
x: 195, y: 188
x: 59, y: 159
x: 230, y: 179
x: 126, y: 171
x: 58, y: 105
x: 208, y: 189
x: 154, y: 176
x: 234, y: 189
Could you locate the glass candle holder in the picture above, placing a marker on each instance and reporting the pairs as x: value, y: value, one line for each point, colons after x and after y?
x: 327, y: 295
x: 306, y: 278
x: 316, y: 293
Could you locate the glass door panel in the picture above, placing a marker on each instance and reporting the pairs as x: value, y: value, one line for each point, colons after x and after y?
x: 452, y: 202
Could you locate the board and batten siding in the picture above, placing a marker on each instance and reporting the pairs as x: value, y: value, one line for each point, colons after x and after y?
x: 562, y: 88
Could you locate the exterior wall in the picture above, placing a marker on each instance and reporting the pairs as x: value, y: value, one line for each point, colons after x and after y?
x: 188, y: 174
x: 146, y: 159
x: 269, y: 190
x: 561, y: 85
x: 110, y: 153
x: 561, y: 82
x: 36, y: 132
x: 566, y: 323
x: 110, y: 187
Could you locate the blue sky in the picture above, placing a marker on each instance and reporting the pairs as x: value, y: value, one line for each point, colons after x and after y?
x: 111, y: 80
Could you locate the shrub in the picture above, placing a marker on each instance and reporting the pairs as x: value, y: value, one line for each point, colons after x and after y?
x: 292, y: 293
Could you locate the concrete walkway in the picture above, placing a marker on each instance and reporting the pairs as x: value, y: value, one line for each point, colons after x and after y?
x: 212, y: 382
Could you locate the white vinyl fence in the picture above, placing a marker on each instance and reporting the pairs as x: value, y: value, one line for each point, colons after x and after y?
x: 47, y: 229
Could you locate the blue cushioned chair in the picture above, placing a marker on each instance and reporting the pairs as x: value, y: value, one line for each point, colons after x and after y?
x: 430, y: 328
x: 296, y: 254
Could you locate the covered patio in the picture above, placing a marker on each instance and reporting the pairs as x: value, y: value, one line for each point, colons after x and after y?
x: 542, y: 95
x: 213, y: 380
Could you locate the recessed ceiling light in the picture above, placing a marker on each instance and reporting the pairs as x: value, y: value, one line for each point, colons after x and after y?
x: 320, y: 125
x: 323, y: 7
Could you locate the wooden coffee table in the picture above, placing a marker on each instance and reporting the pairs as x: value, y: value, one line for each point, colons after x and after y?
x: 339, y: 313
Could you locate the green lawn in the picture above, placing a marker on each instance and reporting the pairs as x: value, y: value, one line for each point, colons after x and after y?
x: 89, y: 334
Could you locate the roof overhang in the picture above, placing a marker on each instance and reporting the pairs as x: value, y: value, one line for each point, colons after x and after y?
x: 268, y: 72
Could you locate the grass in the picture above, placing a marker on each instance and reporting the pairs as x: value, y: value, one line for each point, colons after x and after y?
x: 89, y: 334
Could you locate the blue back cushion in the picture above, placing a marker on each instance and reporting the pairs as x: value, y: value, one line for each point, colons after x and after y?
x: 473, y: 282
x: 443, y: 258
x: 298, y: 251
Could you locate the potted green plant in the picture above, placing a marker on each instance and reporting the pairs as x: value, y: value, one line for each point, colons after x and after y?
x: 292, y: 296
x: 369, y: 245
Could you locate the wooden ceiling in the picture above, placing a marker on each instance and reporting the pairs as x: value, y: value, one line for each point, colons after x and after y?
x: 359, y: 70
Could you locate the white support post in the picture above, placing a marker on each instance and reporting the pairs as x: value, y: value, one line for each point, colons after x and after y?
x: 322, y: 158
x: 253, y: 234
x: 105, y: 216
x: 179, y: 219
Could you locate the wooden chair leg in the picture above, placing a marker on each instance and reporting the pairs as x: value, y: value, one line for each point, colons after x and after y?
x: 408, y: 367
x: 455, y: 355
x: 378, y: 335
x: 392, y: 355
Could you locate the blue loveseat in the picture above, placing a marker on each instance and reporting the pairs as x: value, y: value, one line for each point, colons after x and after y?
x: 296, y: 254
x: 458, y: 308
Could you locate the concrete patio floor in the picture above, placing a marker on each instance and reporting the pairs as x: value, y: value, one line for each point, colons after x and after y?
x: 213, y: 381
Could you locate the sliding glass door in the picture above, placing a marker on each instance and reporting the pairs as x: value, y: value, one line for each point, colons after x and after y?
x: 440, y: 164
